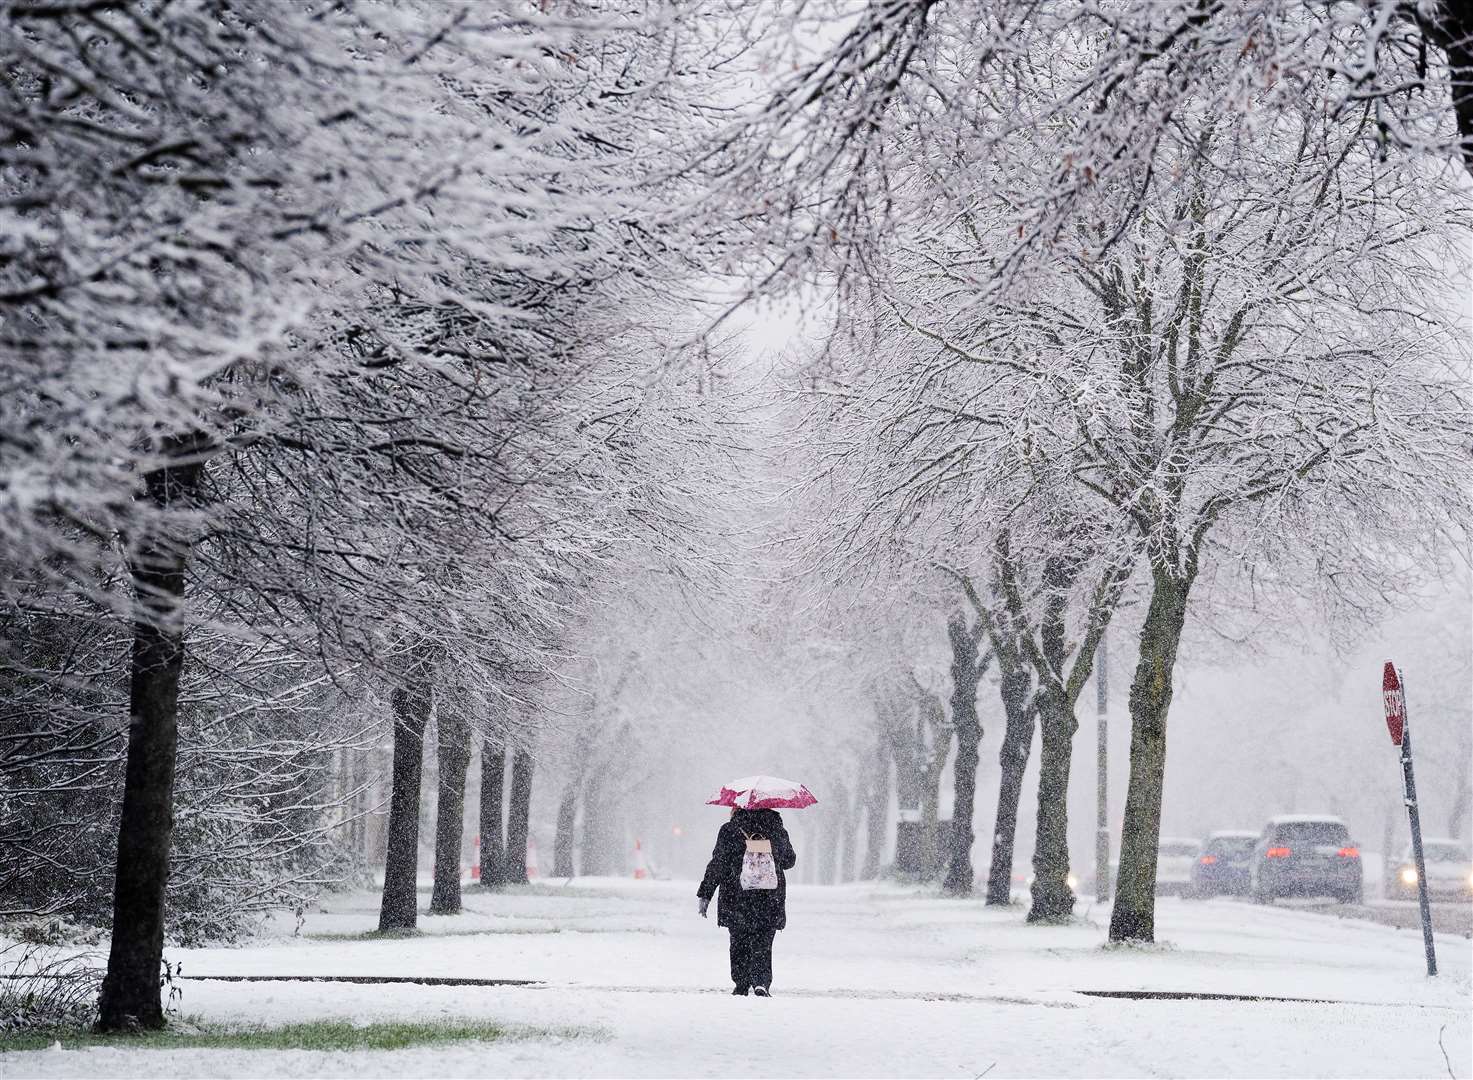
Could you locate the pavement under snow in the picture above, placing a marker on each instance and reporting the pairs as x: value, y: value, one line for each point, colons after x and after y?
x: 870, y: 981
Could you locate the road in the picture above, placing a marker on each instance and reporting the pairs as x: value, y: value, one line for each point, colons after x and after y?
x: 1448, y: 917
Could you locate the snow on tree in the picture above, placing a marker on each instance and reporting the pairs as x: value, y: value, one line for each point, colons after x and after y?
x: 268, y: 320
x: 1253, y: 355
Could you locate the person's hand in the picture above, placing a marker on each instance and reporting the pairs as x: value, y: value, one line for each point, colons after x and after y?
x: 702, y: 904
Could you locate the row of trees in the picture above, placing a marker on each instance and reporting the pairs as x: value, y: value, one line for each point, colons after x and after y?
x: 341, y: 381
x: 325, y: 397
x: 1222, y: 361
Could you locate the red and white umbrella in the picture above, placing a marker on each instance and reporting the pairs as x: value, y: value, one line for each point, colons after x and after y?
x: 763, y: 793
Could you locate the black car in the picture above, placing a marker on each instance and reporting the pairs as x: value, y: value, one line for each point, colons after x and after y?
x: 1223, y: 865
x: 1306, y: 855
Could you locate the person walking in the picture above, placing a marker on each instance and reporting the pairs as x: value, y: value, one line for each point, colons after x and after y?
x: 748, y: 866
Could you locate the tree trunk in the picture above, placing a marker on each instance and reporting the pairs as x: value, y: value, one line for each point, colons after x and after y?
x: 411, y: 706
x: 594, y: 849
x: 454, y: 754
x: 1449, y: 25
x: 959, y: 873
x: 877, y: 809
x: 848, y: 834
x: 905, y: 749
x: 356, y: 836
x: 1134, y: 914
x: 1017, y: 744
x: 567, y: 818
x: 1053, y: 900
x: 517, y: 816
x: 965, y: 673
x: 834, y: 835
x: 130, y: 996
x: 931, y: 717
x: 1463, y: 786
x: 493, y: 796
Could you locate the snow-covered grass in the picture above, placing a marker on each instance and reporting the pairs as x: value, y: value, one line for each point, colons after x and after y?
x: 870, y: 981
x: 312, y: 1035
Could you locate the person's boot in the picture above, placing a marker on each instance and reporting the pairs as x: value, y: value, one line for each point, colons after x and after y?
x: 760, y: 991
x: 741, y: 991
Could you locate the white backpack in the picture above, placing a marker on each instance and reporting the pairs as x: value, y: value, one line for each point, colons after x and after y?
x: 758, y: 869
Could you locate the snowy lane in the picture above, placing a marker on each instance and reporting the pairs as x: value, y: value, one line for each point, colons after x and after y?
x: 1448, y: 916
x: 870, y: 982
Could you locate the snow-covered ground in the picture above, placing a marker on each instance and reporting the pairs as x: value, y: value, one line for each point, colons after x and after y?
x: 870, y: 981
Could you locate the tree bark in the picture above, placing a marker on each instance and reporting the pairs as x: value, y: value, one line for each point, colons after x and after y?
x: 903, y: 732
x: 131, y: 993
x: 356, y: 834
x: 1053, y: 900
x: 877, y: 809
x: 1017, y: 744
x: 596, y: 842
x: 834, y: 835
x: 1463, y: 786
x: 567, y: 818
x: 493, y: 796
x: 1449, y: 25
x: 932, y: 714
x: 517, y: 818
x: 454, y: 755
x: 1134, y: 914
x: 966, y: 671
x: 847, y: 834
x: 411, y: 704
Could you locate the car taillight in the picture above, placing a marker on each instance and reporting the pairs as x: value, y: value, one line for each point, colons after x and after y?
x: 1277, y: 853
x: 1207, y: 860
x: 1350, y: 852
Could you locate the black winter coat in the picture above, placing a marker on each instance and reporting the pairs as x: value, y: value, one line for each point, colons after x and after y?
x: 749, y: 909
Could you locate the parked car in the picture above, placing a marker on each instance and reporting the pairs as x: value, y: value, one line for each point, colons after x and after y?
x: 1306, y: 855
x: 1222, y: 866
x: 1449, y: 872
x: 1174, y: 860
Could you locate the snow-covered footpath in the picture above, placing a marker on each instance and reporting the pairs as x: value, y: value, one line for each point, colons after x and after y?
x: 869, y: 982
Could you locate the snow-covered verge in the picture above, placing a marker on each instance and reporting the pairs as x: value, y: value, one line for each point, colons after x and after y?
x: 870, y: 982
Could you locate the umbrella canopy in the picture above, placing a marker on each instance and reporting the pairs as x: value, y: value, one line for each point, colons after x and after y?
x: 763, y: 793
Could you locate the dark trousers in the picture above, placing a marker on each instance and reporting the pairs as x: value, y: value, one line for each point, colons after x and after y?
x: 751, y: 957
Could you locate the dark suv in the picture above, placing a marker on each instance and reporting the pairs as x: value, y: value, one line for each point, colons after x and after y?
x: 1222, y: 866
x: 1306, y: 855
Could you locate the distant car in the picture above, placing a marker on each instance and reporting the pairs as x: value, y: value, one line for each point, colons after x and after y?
x: 1174, y: 860
x: 1449, y: 872
x: 1306, y: 855
x: 1223, y: 866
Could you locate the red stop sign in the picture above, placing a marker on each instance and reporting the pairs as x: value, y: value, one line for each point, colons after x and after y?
x: 1396, y: 702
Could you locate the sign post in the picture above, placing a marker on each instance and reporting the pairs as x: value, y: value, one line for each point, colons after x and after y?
x: 1393, y: 693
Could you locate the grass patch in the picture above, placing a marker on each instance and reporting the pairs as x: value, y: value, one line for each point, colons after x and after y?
x: 316, y: 1035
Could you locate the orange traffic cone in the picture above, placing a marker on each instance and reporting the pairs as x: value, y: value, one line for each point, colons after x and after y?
x: 531, y: 858
x: 640, y: 870
x: 476, y: 859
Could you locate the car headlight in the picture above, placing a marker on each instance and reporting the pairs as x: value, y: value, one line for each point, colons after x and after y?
x: 1072, y: 881
x: 1408, y: 875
